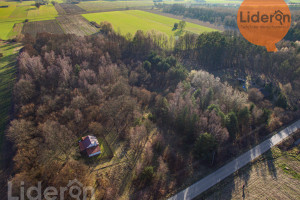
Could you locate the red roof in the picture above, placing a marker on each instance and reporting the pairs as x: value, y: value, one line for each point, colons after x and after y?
x: 93, y: 150
x: 81, y: 146
x: 89, y: 144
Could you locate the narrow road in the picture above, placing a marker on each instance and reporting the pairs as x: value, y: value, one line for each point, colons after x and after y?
x: 228, y: 169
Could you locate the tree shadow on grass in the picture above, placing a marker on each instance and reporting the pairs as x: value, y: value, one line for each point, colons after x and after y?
x: 217, y: 191
x: 6, y: 84
x: 10, y: 59
x: 269, y: 165
x: 9, y: 46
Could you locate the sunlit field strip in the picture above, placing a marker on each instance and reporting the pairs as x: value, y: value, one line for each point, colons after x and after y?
x: 132, y: 20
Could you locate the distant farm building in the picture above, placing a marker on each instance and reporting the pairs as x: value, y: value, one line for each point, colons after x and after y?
x: 89, y: 145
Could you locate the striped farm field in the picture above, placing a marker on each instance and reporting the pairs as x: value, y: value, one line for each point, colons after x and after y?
x: 132, y: 20
x: 17, y: 12
x: 76, y: 24
x: 49, y: 26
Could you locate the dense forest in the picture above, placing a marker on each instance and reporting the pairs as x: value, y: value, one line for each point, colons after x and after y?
x: 217, y: 15
x: 168, y: 112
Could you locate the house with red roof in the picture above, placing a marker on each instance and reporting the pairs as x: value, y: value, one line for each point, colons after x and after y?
x: 89, y: 145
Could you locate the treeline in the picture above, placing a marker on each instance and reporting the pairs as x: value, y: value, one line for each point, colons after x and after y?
x: 218, y: 15
x: 294, y: 33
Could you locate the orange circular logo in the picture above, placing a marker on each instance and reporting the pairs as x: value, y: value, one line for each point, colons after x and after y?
x: 264, y: 22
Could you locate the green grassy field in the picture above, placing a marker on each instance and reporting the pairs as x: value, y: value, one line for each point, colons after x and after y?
x: 132, y: 20
x: 18, y: 12
x: 110, y: 5
x: 7, y: 77
x: 223, y: 2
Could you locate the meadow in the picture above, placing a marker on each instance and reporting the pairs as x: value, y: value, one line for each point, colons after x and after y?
x: 113, y: 5
x: 17, y: 12
x: 132, y: 20
x: 295, y: 1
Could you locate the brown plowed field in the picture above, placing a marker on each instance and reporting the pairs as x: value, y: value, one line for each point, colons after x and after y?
x: 59, y: 9
x: 76, y: 24
x: 49, y: 26
x: 72, y: 9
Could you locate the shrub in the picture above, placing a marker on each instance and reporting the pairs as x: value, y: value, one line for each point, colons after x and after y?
x: 266, y: 116
x: 282, y: 101
x: 147, y: 174
x: 106, y: 27
x: 38, y: 5
x: 175, y: 26
x: 232, y: 124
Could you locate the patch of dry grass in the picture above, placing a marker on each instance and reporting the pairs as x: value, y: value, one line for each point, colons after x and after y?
x: 275, y: 175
